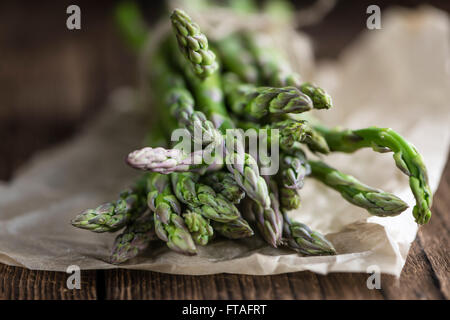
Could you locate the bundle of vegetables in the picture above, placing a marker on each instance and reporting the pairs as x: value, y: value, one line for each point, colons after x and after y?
x: 187, y: 199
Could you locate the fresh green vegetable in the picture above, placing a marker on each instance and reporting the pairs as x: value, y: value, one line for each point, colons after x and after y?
x: 203, y: 199
x: 134, y: 239
x: 377, y: 202
x: 193, y: 44
x: 406, y: 157
x: 169, y: 225
x: 254, y: 102
x: 223, y: 182
x: 113, y: 216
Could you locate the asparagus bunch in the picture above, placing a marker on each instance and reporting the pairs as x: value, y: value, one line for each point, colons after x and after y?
x: 191, y: 195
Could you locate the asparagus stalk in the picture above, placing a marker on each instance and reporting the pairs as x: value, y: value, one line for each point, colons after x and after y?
x: 299, y: 236
x: 202, y: 199
x: 113, y: 216
x: 199, y: 226
x: 376, y: 202
x: 169, y: 225
x: 180, y: 102
x: 134, y: 239
x: 193, y: 44
x: 236, y: 58
x: 302, y: 239
x: 289, y: 198
x: 320, y: 99
x: 166, y: 161
x: 222, y: 182
x: 277, y: 72
x: 254, y: 102
x: 291, y: 133
x: 267, y: 222
x: 294, y: 169
x: 275, y: 69
x: 406, y: 157
x: 236, y: 229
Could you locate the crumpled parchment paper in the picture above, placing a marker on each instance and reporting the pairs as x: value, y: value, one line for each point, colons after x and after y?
x: 395, y: 77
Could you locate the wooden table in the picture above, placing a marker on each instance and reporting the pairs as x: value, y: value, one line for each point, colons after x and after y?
x: 77, y: 70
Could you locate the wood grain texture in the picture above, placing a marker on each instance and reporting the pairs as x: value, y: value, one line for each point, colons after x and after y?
x: 23, y: 284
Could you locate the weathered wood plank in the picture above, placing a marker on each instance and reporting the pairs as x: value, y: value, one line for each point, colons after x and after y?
x: 23, y: 284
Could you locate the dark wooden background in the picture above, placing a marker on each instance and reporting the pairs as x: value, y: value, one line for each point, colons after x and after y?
x: 53, y: 80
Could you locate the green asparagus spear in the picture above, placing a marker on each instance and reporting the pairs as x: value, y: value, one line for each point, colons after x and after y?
x: 167, y: 161
x: 253, y: 102
x: 236, y: 229
x: 274, y: 67
x: 131, y: 24
x: 290, y: 134
x: 236, y: 58
x: 277, y: 72
x: 193, y: 44
x: 294, y: 168
x: 289, y: 198
x: 302, y: 239
x: 134, y: 239
x: 199, y: 226
x: 180, y: 102
x: 320, y: 99
x: 169, y: 225
x: 267, y: 221
x: 113, y: 216
x: 203, y: 199
x: 222, y: 182
x: 406, y: 157
x: 377, y: 202
x: 297, y: 235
